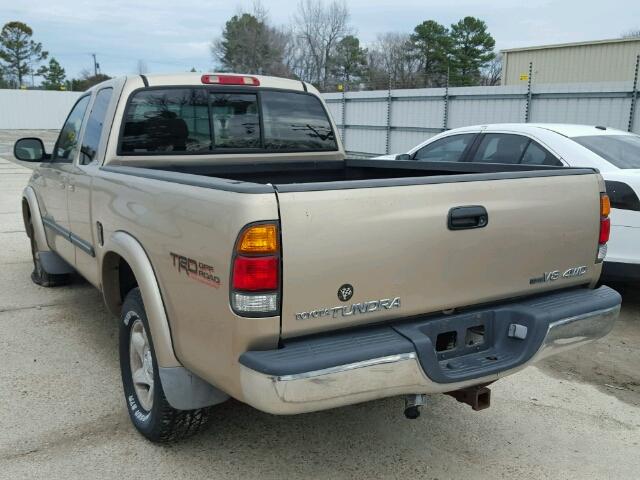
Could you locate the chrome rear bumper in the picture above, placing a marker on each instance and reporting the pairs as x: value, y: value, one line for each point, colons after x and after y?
x: 400, y: 373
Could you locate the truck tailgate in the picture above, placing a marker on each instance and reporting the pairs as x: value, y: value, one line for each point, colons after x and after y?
x: 393, y: 249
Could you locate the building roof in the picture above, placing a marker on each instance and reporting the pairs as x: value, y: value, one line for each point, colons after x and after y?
x: 573, y: 44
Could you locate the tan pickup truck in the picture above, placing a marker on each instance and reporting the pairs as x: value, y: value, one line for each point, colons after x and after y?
x: 246, y: 257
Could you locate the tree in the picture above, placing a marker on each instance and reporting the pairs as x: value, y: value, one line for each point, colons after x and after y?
x: 431, y: 45
x: 492, y: 72
x: 391, y: 61
x: 53, y: 76
x: 472, y: 49
x: 249, y: 45
x: 18, y: 52
x: 86, y: 80
x: 318, y: 29
x: 350, y: 60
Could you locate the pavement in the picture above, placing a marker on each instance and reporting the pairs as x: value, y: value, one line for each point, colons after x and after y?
x: 63, y: 416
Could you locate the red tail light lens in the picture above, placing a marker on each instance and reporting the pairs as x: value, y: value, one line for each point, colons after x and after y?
x: 255, y: 274
x: 605, y: 230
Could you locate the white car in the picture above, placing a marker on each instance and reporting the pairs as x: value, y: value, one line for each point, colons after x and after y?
x: 614, y: 152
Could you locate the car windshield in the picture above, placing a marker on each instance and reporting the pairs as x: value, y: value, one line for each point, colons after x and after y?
x: 623, y: 151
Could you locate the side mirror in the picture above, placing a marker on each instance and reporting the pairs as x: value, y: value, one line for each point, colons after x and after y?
x: 30, y: 150
x: 403, y: 156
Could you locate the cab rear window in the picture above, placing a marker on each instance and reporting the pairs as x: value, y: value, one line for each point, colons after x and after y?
x: 183, y: 121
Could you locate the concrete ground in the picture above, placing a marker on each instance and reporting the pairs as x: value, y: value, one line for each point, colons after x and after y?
x: 62, y: 415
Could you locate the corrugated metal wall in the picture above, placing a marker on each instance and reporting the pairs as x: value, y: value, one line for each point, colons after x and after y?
x: 379, y: 122
x: 34, y: 109
x: 594, y: 62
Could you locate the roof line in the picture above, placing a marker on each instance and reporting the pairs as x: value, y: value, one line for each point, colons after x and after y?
x: 572, y: 44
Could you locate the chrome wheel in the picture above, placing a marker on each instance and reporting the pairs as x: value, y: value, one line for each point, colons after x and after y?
x: 141, y: 364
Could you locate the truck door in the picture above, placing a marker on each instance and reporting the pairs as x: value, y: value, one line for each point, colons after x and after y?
x: 83, y: 229
x: 54, y: 181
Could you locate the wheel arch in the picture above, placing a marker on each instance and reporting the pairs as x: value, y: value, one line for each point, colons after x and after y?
x: 126, y: 265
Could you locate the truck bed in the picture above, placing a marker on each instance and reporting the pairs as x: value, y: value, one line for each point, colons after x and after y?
x: 281, y: 173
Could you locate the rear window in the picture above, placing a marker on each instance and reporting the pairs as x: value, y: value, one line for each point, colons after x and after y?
x: 185, y: 121
x: 623, y: 151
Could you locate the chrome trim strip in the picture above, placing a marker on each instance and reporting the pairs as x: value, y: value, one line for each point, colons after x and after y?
x: 350, y: 366
x: 74, y: 239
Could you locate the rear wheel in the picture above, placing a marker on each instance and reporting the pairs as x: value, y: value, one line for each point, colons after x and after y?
x: 39, y: 276
x: 148, y: 407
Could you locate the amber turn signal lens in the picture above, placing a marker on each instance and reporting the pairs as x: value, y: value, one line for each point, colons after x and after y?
x: 259, y: 239
x: 605, y: 205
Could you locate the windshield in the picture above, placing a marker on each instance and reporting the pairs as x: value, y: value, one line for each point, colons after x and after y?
x: 623, y: 151
x: 183, y: 121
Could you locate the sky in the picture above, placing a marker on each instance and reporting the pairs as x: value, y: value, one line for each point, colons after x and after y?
x: 176, y: 36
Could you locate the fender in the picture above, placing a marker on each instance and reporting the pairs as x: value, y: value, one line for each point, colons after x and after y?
x: 51, y: 262
x: 184, y: 390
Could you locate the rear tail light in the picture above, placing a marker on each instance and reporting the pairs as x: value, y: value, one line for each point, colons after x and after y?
x: 605, y: 227
x: 255, y: 278
x: 622, y: 196
x: 230, y: 80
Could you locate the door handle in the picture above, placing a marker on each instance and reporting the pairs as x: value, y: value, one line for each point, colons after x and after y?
x: 465, y: 218
x: 62, y: 185
x: 71, y: 187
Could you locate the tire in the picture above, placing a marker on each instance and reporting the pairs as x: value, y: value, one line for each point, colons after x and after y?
x: 39, y: 276
x: 147, y: 405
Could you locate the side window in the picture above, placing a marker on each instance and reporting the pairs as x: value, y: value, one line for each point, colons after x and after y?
x: 537, y: 155
x: 68, y: 140
x: 448, y: 149
x: 93, y: 130
x: 501, y: 148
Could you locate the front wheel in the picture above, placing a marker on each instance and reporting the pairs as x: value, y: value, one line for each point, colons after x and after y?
x: 148, y: 407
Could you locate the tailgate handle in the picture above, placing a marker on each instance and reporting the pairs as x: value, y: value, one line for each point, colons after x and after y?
x: 464, y: 218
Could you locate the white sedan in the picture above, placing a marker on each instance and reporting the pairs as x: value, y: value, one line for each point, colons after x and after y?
x: 614, y: 152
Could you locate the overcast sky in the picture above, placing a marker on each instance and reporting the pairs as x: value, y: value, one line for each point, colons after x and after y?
x: 175, y: 36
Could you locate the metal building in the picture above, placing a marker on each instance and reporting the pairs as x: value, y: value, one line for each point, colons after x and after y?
x: 583, y: 62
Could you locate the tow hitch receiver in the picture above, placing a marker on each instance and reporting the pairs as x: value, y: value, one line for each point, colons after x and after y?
x: 478, y: 397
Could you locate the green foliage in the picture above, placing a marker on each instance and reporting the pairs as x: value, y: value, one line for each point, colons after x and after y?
x: 249, y: 45
x: 53, y: 76
x: 87, y: 81
x: 350, y: 60
x: 18, y: 52
x: 431, y: 45
x: 472, y: 50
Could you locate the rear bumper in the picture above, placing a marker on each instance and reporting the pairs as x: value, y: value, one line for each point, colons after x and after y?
x: 328, y: 371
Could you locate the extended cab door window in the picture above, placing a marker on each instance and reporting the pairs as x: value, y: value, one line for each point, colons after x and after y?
x: 68, y: 141
x: 448, y: 149
x: 93, y: 130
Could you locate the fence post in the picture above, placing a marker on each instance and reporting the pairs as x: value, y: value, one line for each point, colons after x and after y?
x: 527, y: 108
x: 343, y: 117
x: 634, y: 96
x: 387, y: 142
x: 445, y: 119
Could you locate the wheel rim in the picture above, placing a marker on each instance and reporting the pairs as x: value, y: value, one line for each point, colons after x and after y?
x: 141, y: 364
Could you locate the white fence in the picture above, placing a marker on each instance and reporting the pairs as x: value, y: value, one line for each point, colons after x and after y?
x: 388, y: 121
x: 392, y: 121
x: 34, y: 109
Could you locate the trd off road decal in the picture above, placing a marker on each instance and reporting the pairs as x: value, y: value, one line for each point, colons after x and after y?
x: 196, y: 270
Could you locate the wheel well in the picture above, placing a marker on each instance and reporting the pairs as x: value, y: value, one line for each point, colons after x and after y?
x: 118, y: 279
x: 26, y: 216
